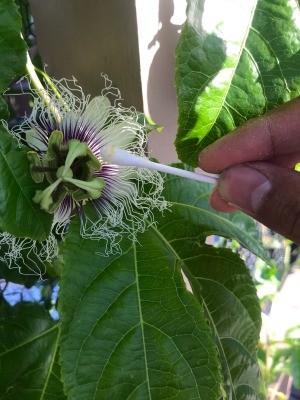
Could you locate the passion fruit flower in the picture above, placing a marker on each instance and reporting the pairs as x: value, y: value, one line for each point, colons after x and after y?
x: 67, y: 138
x: 88, y: 151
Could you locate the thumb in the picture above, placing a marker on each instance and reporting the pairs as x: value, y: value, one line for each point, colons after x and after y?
x: 269, y: 193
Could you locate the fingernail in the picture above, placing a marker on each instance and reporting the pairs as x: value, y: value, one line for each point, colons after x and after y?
x: 244, y: 187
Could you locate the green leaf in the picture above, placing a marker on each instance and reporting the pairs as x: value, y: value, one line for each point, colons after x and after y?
x: 129, y: 327
x: 223, y: 284
x: 295, y: 366
x: 190, y: 213
x: 12, y: 48
x: 219, y: 279
x: 28, y: 354
x: 13, y: 275
x: 235, y: 61
x: 19, y: 215
x: 3, y: 109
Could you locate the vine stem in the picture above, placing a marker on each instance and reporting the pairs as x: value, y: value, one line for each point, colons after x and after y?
x: 41, y: 91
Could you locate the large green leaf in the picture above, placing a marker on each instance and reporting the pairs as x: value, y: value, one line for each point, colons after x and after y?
x: 130, y: 329
x: 235, y: 61
x: 112, y: 305
x: 29, y: 368
x: 223, y: 284
x: 190, y: 213
x: 219, y: 279
x: 19, y: 215
x: 12, y: 48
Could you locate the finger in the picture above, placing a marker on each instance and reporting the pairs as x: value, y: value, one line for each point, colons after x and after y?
x: 286, y: 160
x: 273, y: 134
x: 268, y: 193
x: 220, y: 204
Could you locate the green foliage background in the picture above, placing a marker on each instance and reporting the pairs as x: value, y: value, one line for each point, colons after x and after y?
x: 169, y: 317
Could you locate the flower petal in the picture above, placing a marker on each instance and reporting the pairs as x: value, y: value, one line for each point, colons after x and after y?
x: 97, y: 111
x: 120, y: 135
x: 35, y: 140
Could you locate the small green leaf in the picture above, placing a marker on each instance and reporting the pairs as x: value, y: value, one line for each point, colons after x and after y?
x: 235, y: 61
x: 12, y: 48
x: 130, y: 329
x: 28, y: 354
x: 18, y: 214
x: 223, y: 284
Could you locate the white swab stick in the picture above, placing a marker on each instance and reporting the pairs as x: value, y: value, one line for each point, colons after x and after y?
x: 122, y: 157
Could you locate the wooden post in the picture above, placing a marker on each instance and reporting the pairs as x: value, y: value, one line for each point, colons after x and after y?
x: 85, y: 38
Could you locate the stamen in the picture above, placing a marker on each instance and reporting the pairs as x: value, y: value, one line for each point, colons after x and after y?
x: 93, y: 187
x: 44, y: 197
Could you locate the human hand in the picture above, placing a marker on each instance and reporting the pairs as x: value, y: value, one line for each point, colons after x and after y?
x: 256, y: 163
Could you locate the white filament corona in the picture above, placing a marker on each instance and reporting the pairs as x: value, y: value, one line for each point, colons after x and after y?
x: 132, y: 186
x: 28, y: 256
x: 129, y: 196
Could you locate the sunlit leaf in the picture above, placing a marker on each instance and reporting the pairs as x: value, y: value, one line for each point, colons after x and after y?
x: 235, y: 61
